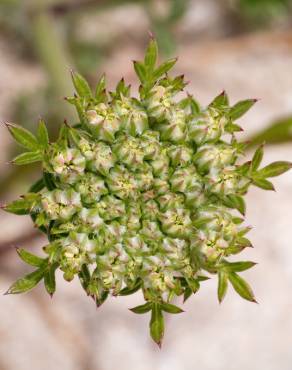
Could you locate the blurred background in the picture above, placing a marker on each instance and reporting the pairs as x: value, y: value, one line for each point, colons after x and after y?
x: 242, y: 46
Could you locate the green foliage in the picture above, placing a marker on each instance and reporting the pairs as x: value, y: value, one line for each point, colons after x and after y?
x: 220, y: 101
x: 241, y: 286
x: 222, y: 285
x: 261, y: 13
x: 81, y: 86
x: 171, y: 308
x: 227, y: 272
x: 259, y: 176
x: 132, y: 289
x: 144, y: 308
x: 43, y: 135
x: 274, y: 169
x: 157, y: 324
x: 27, y: 158
x: 237, y: 202
x: 28, y: 282
x: 50, y: 279
x: 278, y: 132
x: 26, y: 139
x: 23, y: 137
x: 30, y: 258
x: 257, y: 158
x: 238, y: 266
x: 240, y: 108
x: 22, y: 206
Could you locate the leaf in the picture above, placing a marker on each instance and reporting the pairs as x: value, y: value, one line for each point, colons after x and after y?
x: 279, y: 131
x: 151, y: 55
x: 171, y: 308
x: 81, y: 85
x: 233, y: 127
x: 50, y: 279
x: 21, y: 206
x: 238, y: 266
x: 63, y: 135
x: 187, y: 293
x: 100, y: 93
x: 164, y: 68
x: 177, y: 84
x: 42, y: 134
x: 76, y: 101
x: 194, y: 105
x: 191, y: 103
x: 221, y: 100
x: 257, y: 158
x: 199, y: 222
x: 49, y: 181
x: 30, y: 258
x: 263, y: 184
x: 237, y: 202
x: 244, y: 242
x: 244, y: 169
x: 222, y: 285
x: 84, y: 277
x: 28, y: 157
x: 23, y: 137
x: 237, y: 220
x: 27, y: 282
x: 37, y: 186
x: 130, y: 290
x: 157, y: 324
x: 140, y: 71
x: 240, y: 108
x: 193, y: 284
x: 100, y: 300
x: 76, y: 135
x: 144, y: 308
x: 274, y: 169
x: 202, y: 278
x: 18, y: 207
x: 121, y: 90
x: 241, y: 286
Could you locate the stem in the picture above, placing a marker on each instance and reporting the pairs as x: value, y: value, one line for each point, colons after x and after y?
x: 51, y: 50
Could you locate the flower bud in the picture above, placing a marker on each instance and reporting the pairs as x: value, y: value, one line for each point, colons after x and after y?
x: 207, y: 127
x: 103, y: 122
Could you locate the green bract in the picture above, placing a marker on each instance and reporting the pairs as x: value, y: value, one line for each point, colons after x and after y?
x: 143, y: 193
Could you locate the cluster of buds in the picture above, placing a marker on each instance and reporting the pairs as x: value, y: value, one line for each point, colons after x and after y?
x: 142, y: 193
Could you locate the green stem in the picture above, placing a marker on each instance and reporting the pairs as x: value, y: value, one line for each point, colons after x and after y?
x: 51, y: 50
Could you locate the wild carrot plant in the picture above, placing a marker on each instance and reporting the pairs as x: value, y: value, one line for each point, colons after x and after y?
x: 142, y: 193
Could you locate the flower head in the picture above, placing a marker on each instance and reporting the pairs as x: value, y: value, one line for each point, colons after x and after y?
x: 143, y: 193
